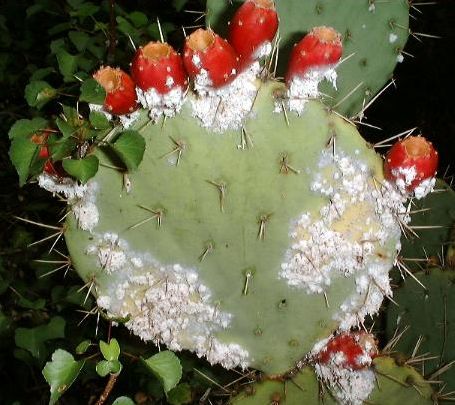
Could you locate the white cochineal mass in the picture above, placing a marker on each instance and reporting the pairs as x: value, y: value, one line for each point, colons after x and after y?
x: 350, y: 235
x: 349, y: 386
x: 225, y: 107
x: 164, y: 303
x: 81, y: 198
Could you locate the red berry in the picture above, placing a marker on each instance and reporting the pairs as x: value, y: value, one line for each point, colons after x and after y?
x: 412, y: 160
x: 254, y: 24
x: 50, y: 167
x: 120, y: 90
x: 41, y: 139
x: 206, y: 50
x: 349, y: 350
x: 321, y: 47
x: 157, y: 65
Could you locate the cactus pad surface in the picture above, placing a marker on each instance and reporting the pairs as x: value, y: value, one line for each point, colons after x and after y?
x: 245, y: 247
x: 393, y: 384
x: 430, y: 315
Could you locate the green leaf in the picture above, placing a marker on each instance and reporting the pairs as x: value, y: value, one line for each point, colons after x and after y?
x: 123, y: 401
x: 22, y: 152
x: 67, y: 64
x: 105, y: 367
x: 26, y: 127
x: 65, y: 127
x: 130, y: 146
x: 60, y: 373
x: 92, y: 92
x: 110, y: 350
x: 99, y: 120
x: 82, y: 169
x: 180, y: 395
x: 38, y: 93
x: 61, y: 148
x: 179, y: 4
x: 40, y: 74
x: 166, y: 367
x: 33, y: 339
x: 85, y: 9
x: 79, y: 39
x: 82, y: 347
x: 138, y: 19
x: 37, y: 304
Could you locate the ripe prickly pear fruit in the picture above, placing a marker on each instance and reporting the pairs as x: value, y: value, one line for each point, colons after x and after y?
x: 210, y: 59
x: 120, y: 90
x: 411, y: 164
x: 320, y: 48
x: 349, y: 350
x: 157, y: 65
x: 252, y: 30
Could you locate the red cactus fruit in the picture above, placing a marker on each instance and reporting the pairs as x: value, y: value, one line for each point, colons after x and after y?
x: 254, y: 24
x: 205, y: 50
x: 157, y: 65
x: 353, y: 350
x: 411, y: 160
x: 320, y: 48
x: 120, y: 90
x: 49, y: 167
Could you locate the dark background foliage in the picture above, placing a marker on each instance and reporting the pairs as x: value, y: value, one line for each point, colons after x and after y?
x: 31, y: 35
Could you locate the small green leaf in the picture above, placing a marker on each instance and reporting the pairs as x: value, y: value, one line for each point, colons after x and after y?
x: 32, y: 339
x: 37, y: 304
x: 179, y: 4
x: 79, y: 39
x: 26, y: 127
x: 99, y: 120
x: 65, y: 128
x: 67, y: 64
x: 103, y: 368
x: 86, y: 9
x: 123, y: 401
x: 138, y: 19
x: 82, y: 169
x: 61, y: 148
x: 82, y: 347
x: 92, y: 92
x: 130, y: 146
x: 40, y: 74
x: 38, y: 93
x: 22, y: 152
x: 166, y: 367
x: 60, y: 373
x: 180, y: 395
x: 110, y: 350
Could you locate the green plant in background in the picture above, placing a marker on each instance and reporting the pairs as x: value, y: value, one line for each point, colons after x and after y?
x: 197, y: 239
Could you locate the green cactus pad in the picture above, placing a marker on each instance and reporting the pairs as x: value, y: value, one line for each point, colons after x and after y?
x: 429, y: 313
x: 435, y: 210
x: 246, y: 253
x: 374, y: 33
x: 393, y: 385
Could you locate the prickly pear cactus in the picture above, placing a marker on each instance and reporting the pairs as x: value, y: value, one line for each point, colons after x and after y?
x: 394, y: 384
x: 428, y: 316
x: 433, y: 218
x: 374, y: 35
x: 226, y: 241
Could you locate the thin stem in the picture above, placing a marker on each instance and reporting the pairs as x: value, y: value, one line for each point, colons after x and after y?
x: 112, y: 32
x: 107, y: 390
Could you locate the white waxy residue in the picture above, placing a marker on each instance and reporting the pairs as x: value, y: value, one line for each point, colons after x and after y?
x: 163, y: 303
x: 81, y: 197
